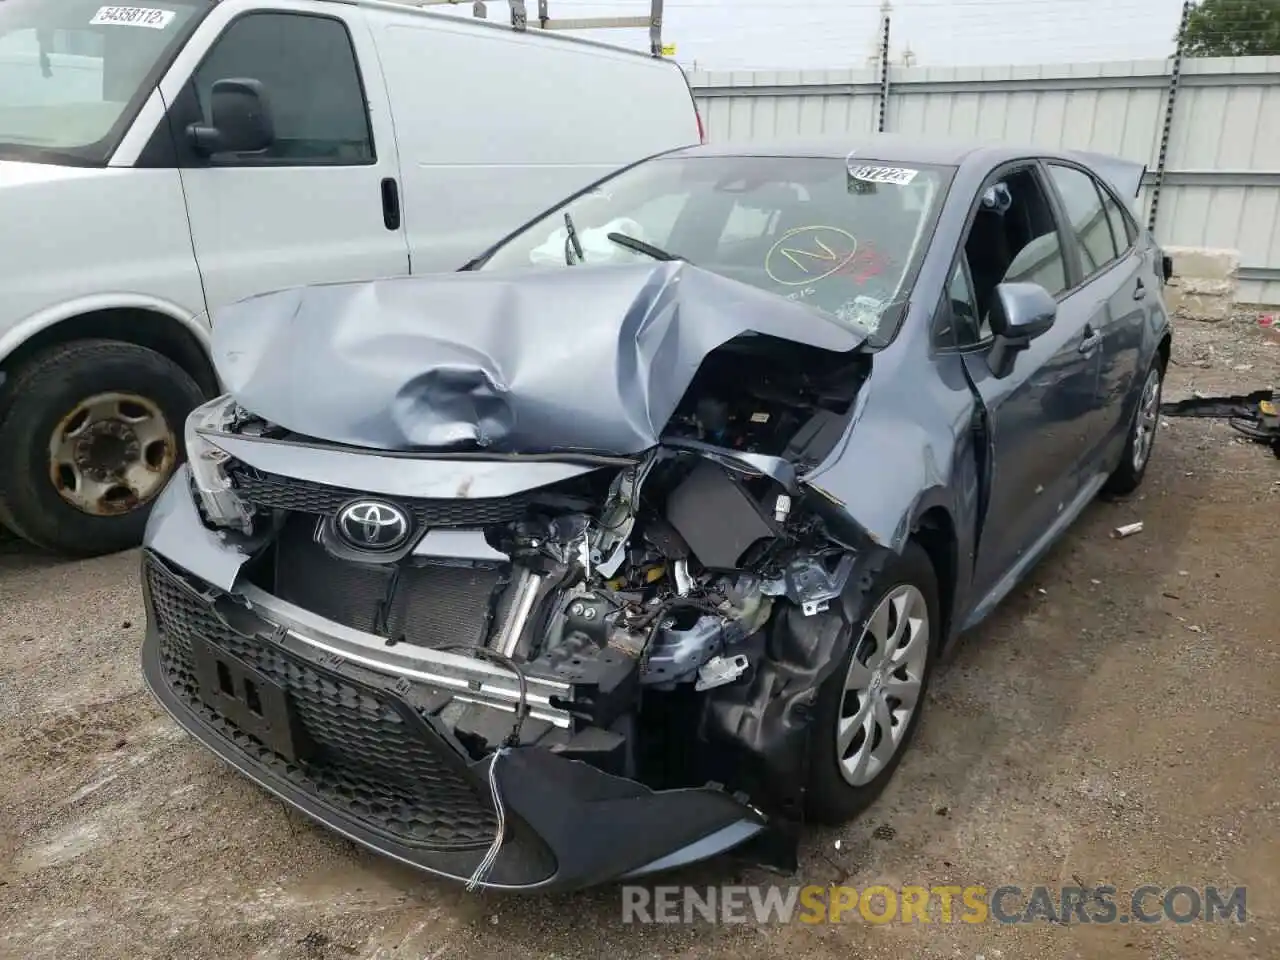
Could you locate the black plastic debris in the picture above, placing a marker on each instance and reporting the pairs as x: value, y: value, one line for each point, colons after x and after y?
x: 1255, y: 415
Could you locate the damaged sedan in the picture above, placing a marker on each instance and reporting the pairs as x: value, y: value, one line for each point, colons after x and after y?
x: 637, y: 540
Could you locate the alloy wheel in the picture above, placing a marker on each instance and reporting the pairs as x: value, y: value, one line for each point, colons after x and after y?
x: 1146, y: 421
x: 882, y: 687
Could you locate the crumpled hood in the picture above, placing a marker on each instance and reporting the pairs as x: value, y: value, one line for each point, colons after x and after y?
x: 590, y: 358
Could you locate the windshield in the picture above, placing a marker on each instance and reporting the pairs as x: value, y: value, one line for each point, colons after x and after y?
x: 844, y: 238
x: 73, y: 73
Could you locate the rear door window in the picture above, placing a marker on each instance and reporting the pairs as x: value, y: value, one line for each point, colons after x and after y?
x: 1121, y: 226
x: 1086, y: 218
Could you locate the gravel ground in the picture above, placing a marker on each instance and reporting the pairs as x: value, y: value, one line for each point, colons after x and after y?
x: 1113, y: 723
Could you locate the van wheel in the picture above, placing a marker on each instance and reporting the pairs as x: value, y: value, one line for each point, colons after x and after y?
x: 92, y: 433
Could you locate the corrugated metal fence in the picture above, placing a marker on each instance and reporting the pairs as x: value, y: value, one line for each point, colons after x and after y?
x: 1221, y: 185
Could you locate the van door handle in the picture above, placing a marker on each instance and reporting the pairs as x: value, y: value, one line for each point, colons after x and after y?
x: 1139, y: 291
x: 390, y: 204
x: 1091, y: 339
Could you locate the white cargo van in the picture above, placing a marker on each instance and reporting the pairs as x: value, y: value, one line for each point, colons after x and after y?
x: 160, y: 161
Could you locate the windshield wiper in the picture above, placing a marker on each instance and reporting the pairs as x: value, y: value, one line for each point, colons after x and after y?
x: 571, y: 241
x: 639, y: 246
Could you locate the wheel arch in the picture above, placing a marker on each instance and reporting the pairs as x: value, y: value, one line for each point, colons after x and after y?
x: 935, y: 531
x: 145, y: 322
x: 1164, y: 350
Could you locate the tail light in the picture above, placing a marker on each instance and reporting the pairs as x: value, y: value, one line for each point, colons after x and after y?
x: 702, y: 131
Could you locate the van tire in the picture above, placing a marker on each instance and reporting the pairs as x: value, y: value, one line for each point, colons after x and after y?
x: 47, y: 395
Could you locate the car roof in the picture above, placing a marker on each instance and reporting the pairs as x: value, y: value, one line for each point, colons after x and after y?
x: 883, y: 147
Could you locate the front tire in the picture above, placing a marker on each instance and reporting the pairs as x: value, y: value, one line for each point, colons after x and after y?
x: 91, y: 434
x: 868, y: 709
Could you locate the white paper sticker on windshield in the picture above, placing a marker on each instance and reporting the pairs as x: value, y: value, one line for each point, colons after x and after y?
x: 876, y: 174
x: 148, y: 17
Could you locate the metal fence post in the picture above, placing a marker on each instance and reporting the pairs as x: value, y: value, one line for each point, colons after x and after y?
x: 655, y: 27
x: 1175, y: 74
x: 884, y: 67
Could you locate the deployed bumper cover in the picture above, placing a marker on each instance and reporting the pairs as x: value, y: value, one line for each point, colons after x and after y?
x: 358, y: 751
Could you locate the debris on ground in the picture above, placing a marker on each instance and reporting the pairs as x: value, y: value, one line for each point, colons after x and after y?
x: 1254, y: 415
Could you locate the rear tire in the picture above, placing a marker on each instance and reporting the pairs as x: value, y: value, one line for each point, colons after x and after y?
x: 62, y: 444
x: 1142, y: 436
x: 840, y: 789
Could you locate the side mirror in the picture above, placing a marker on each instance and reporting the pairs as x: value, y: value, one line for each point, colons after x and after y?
x: 241, y: 120
x: 1020, y: 312
x: 1166, y: 267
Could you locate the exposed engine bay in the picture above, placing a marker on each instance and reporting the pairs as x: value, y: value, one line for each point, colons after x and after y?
x: 771, y: 396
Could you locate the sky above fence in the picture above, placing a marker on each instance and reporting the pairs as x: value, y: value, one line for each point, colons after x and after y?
x: 815, y: 34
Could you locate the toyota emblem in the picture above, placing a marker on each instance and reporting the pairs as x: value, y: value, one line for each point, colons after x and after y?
x: 373, y: 525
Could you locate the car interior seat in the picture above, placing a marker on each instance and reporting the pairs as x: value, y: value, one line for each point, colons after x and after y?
x: 1040, y: 261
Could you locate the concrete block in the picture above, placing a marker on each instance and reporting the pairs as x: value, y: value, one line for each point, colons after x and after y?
x: 1204, y: 263
x: 1204, y: 287
x: 1207, y: 308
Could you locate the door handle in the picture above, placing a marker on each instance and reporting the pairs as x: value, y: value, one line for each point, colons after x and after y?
x: 390, y: 204
x: 1139, y: 291
x: 1091, y: 339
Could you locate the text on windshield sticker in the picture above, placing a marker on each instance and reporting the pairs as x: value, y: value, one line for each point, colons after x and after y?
x: 873, y: 174
x: 148, y: 17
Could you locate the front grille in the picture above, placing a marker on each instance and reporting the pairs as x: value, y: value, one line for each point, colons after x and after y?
x: 367, y: 762
x: 428, y: 604
x: 273, y: 491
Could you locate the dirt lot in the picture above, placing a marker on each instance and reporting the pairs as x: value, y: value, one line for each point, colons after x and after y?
x: 1115, y: 723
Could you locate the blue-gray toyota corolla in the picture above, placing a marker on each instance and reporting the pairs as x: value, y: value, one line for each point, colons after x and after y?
x: 637, y: 539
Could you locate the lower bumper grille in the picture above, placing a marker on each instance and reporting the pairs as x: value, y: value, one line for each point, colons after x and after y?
x: 366, y: 762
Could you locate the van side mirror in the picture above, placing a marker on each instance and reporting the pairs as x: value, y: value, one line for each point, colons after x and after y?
x: 1020, y: 312
x: 241, y: 120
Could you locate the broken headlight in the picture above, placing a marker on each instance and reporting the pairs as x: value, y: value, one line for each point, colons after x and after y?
x: 219, y: 504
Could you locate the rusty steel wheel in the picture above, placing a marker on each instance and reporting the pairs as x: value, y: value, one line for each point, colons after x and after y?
x: 90, y: 433
x: 112, y: 453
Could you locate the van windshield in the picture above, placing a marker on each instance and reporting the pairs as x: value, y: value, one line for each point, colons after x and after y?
x: 845, y: 239
x: 73, y: 73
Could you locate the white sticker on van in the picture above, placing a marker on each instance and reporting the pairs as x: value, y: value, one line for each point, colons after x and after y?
x: 874, y: 174
x: 148, y: 17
